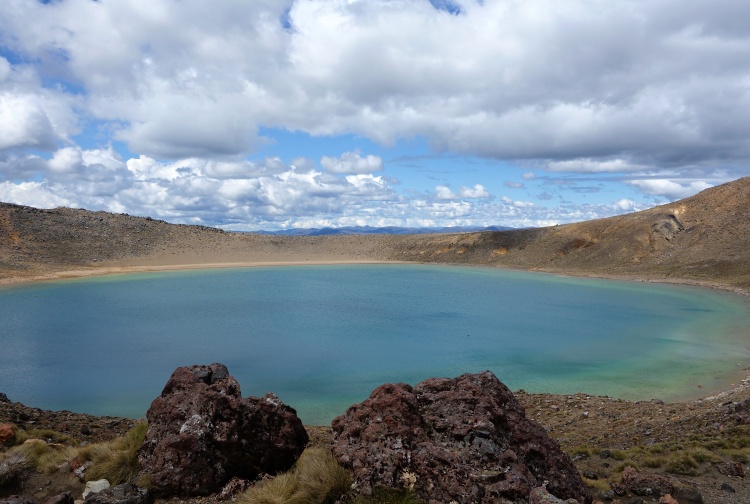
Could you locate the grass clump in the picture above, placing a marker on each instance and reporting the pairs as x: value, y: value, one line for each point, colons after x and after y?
x: 618, y: 454
x: 580, y: 451
x: 652, y: 462
x: 600, y: 485
x: 316, y: 478
x: 35, y: 454
x: 682, y: 464
x: 116, y: 460
x: 47, y: 435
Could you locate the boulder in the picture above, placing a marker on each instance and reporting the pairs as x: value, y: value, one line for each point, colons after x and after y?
x: 126, y: 493
x: 465, y: 439
x: 644, y: 484
x: 734, y: 469
x: 63, y: 498
x: 201, y: 433
x: 93, y: 487
x: 7, y: 434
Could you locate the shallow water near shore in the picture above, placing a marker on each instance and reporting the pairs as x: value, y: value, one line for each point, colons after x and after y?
x: 323, y: 337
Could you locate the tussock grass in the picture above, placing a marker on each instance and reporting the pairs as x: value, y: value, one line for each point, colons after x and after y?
x: 600, y: 485
x: 683, y: 464
x: 117, y: 460
x: 316, y: 478
x: 37, y: 454
x: 652, y: 462
x: 47, y: 435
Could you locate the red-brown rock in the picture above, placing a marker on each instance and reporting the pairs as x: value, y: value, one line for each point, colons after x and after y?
x: 465, y: 439
x: 7, y: 435
x: 201, y: 433
x: 645, y: 484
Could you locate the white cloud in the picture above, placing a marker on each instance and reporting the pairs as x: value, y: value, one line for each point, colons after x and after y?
x: 589, y: 165
x: 476, y: 192
x: 655, y: 80
x: 352, y: 162
x: 625, y: 204
x: 655, y: 91
x: 670, y: 189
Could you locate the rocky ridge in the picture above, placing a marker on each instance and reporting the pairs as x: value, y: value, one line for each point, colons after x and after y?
x: 703, y: 239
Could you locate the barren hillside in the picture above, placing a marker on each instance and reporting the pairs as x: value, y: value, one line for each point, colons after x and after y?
x: 704, y: 238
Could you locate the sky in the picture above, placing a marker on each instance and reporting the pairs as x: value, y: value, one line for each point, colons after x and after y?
x: 276, y: 114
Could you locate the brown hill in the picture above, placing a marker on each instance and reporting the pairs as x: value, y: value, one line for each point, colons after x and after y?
x: 702, y: 239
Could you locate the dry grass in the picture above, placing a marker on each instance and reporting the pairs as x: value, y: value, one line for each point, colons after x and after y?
x: 316, y: 478
x: 117, y: 460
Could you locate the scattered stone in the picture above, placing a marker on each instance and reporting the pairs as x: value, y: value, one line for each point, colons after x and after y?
x: 233, y: 488
x: 4, y: 398
x: 608, y: 495
x: 687, y: 494
x: 201, y: 433
x: 540, y: 495
x: 96, y: 486
x: 619, y: 489
x: 7, y: 434
x: 16, y: 499
x: 63, y: 498
x: 728, y: 488
x: 85, y: 430
x: 126, y: 493
x: 646, y: 484
x: 667, y: 499
x: 742, y: 412
x: 465, y: 439
x: 734, y: 469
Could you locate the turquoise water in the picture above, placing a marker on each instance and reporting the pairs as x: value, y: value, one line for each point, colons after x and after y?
x: 323, y: 337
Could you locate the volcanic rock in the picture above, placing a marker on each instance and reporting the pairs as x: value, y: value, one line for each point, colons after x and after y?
x: 7, y: 435
x: 126, y: 493
x: 465, y: 439
x: 646, y: 484
x: 201, y: 433
x: 63, y: 498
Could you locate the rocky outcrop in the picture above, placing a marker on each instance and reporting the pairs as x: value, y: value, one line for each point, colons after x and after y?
x: 465, y: 440
x: 202, y: 432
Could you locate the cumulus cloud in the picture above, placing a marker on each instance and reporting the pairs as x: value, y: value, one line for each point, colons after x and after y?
x: 188, y: 79
x: 352, y: 162
x: 670, y: 189
x: 654, y: 92
x: 513, y: 185
x: 476, y: 192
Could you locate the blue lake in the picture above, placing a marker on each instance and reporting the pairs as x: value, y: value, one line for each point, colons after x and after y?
x: 323, y: 337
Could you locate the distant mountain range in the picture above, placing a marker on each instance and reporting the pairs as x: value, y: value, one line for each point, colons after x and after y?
x: 391, y: 230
